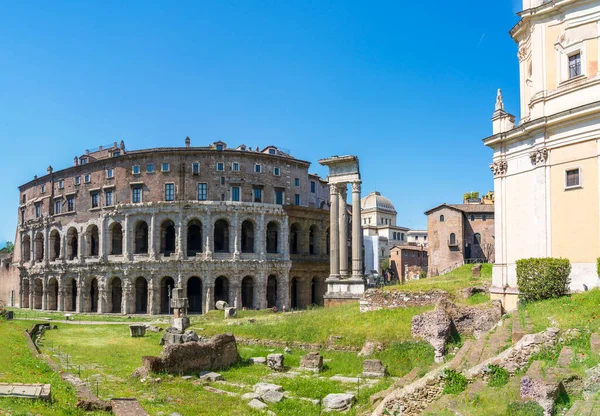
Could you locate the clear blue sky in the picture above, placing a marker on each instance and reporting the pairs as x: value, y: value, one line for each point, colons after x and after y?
x: 409, y: 87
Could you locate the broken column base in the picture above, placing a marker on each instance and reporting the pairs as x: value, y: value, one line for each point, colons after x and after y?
x: 180, y: 323
x: 343, y: 290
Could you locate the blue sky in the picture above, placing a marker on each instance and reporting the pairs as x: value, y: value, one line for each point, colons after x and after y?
x: 409, y: 87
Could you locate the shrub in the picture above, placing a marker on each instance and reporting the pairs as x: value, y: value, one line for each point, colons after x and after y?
x: 455, y: 382
x: 498, y: 376
x: 542, y: 278
x: 598, y: 266
x: 524, y: 409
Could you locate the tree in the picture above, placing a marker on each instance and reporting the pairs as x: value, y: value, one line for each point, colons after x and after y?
x: 10, y: 246
x: 384, y: 264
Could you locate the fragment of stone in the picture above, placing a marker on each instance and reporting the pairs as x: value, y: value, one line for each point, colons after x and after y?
x: 137, y: 330
x: 272, y: 396
x: 338, y: 402
x: 258, y: 360
x: 153, y: 328
x: 434, y: 327
x: 373, y: 368
x: 189, y: 336
x: 591, y: 385
x: 257, y: 404
x: 221, y: 305
x: 595, y: 343
x: 261, y: 388
x: 275, y: 362
x: 210, y: 376
x: 287, y: 350
x: 565, y: 357
x: 476, y: 270
x: 313, y: 361
x: 343, y: 379
x: 536, y: 386
x: 250, y: 396
x: 180, y: 323
x: 369, y: 348
x: 230, y: 312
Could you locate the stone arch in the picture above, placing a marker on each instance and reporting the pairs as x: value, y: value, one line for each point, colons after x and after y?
x: 194, y: 237
x: 295, y: 238
x: 271, y: 291
x: 140, y: 240
x: 248, y: 292
x: 92, y: 241
x: 167, y: 237
x: 116, y: 295
x: 222, y: 289
x: 26, y: 249
x: 141, y: 295
x: 115, y: 239
x: 72, y: 243
x: 318, y: 288
x: 248, y: 236
x: 54, y: 245
x: 38, y: 246
x: 314, y: 240
x: 194, y: 294
x: 167, y: 284
x: 26, y: 290
x: 52, y: 294
x: 38, y: 293
x: 71, y: 294
x: 92, y: 296
x: 221, y: 236
x: 273, y: 237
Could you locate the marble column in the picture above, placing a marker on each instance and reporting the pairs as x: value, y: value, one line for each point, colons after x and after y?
x: 210, y: 298
x: 44, y: 295
x: 235, y: 294
x: 127, y: 236
x: 357, y: 260
x: 60, y: 305
x: 334, y: 234
x: 152, y: 252
x: 236, y: 236
x: 343, y: 243
x: 207, y: 230
x: 31, y: 294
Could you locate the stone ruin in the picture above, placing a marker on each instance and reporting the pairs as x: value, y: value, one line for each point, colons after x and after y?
x: 176, y: 333
x: 313, y: 361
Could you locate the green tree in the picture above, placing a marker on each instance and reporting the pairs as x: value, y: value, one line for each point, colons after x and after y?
x: 10, y: 246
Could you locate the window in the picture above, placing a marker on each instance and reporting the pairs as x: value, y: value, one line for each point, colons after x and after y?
x: 222, y: 180
x: 57, y: 206
x: 70, y: 203
x: 276, y: 171
x: 572, y: 178
x: 136, y: 169
x: 150, y: 168
x: 110, y: 173
x: 43, y: 188
x: 416, y: 238
x: 169, y: 191
x: 257, y: 168
x: 38, y: 209
x: 195, y: 168
x: 574, y: 65
x: 452, y: 239
x: 235, y: 166
x: 272, y: 151
x: 441, y: 218
x: 116, y: 153
x: 108, y: 198
x: 222, y: 197
x: 24, y: 198
x: 425, y: 238
x: 77, y: 180
x: 472, y: 217
x: 483, y: 217
x: 202, y: 191
x: 136, y: 195
x: 87, y: 178
x: 95, y: 199
x: 61, y: 184
x: 279, y: 197
x: 297, y: 199
x: 477, y: 238
x: 165, y: 167
x: 406, y: 254
x: 313, y: 187
x: 219, y: 147
x: 296, y: 181
x: 402, y: 236
x: 84, y: 160
x: 235, y: 193
x: 257, y: 195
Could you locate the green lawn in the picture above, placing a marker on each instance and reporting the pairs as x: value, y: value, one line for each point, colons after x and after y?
x: 60, y: 316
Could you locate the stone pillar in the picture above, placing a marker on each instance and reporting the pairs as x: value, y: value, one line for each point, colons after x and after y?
x: 44, y: 295
x: 31, y: 293
x: 46, y: 258
x: 235, y: 293
x: 334, y: 233
x: 152, y: 251
x: 102, y: 299
x: 343, y: 218
x: 209, y: 297
x: 236, y: 236
x: 60, y: 302
x: 284, y: 246
x: 260, y: 235
x: 31, y: 247
x: 126, y: 304
x: 283, y: 289
x: 103, y: 248
x: 63, y: 247
x: 81, y: 245
x: 153, y: 293
x: 357, y: 260
x: 260, y: 291
x: 21, y: 297
x: 179, y: 249
x: 207, y: 230
x: 80, y: 295
x: 127, y: 235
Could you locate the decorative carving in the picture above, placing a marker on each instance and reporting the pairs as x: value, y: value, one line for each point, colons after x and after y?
x: 499, y: 102
x: 356, y: 186
x: 539, y: 156
x: 522, y: 53
x: 333, y: 189
x: 499, y: 168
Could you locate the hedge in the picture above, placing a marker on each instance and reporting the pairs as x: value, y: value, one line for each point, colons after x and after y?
x: 598, y: 266
x: 543, y: 278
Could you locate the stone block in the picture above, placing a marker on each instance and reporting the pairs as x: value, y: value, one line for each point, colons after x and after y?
x: 210, y: 376
x: 339, y: 402
x: 230, y: 312
x: 476, y: 270
x: 275, y: 362
x: 565, y: 357
x: 373, y: 368
x: 180, y: 323
x: 258, y: 360
x: 257, y: 404
x: 179, y: 303
x: 137, y: 330
x: 273, y: 396
x: 595, y: 343
x: 221, y: 305
x: 313, y: 361
x: 369, y: 348
x: 261, y: 388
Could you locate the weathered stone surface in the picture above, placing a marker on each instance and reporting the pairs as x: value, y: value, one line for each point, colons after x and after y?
x: 210, y: 376
x: 434, y: 327
x: 373, y: 368
x: 595, y: 343
x: 313, y: 361
x: 275, y: 362
x: 137, y: 330
x: 221, y: 305
x: 230, y: 312
x: 272, y: 396
x: 369, y: 348
x: 375, y: 299
x: 261, y: 388
x: 127, y: 407
x: 26, y: 391
x: 476, y: 270
x: 343, y: 379
x: 338, y: 402
x: 536, y: 387
x: 473, y: 320
x: 591, y: 385
x: 190, y: 336
x: 257, y: 404
x: 153, y: 328
x: 258, y: 360
x: 471, y: 290
x: 180, y: 323
x: 250, y: 396
x: 565, y: 357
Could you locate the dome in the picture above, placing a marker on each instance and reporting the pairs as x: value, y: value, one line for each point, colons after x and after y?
x: 374, y: 201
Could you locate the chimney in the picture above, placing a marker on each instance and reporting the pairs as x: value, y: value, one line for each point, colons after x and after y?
x: 114, y: 144
x: 100, y: 148
x: 187, y: 141
x: 75, y: 161
x: 34, y: 177
x: 122, y: 145
x: 49, y: 170
x: 87, y: 151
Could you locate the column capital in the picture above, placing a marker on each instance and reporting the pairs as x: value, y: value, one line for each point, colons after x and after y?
x: 356, y: 186
x: 334, y: 189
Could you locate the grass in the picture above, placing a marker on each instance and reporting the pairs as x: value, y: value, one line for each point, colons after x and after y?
x: 60, y: 316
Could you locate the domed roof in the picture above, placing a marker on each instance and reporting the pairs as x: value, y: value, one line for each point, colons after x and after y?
x: 375, y: 201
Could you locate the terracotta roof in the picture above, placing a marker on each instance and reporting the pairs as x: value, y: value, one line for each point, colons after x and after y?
x: 466, y: 208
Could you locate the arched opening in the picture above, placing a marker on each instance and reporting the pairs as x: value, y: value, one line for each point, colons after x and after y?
x: 477, y: 239
x: 54, y: 245
x: 92, y: 241
x: 194, y: 294
x: 441, y: 218
x: 271, y: 291
x: 313, y: 240
x: 116, y: 295
x: 452, y: 239
x: 115, y: 239
x: 72, y: 244
x: 222, y: 289
x: 318, y: 289
x: 91, y: 303
x: 70, y: 295
x: 327, y: 241
x: 194, y: 238
x: 166, y: 286
x: 39, y: 247
x: 248, y: 292
x: 38, y: 293
x: 26, y: 289
x: 294, y: 238
x: 247, y: 237
x: 141, y: 295
x: 167, y: 238
x: 221, y: 235
x: 26, y: 251
x: 52, y: 289
x: 272, y: 237
x: 294, y: 286
x: 140, y: 238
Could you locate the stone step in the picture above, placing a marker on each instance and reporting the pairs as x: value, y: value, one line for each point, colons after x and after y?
x: 565, y: 357
x: 584, y: 408
x: 460, y: 355
x: 127, y: 407
x: 575, y: 409
x: 496, y: 341
x: 473, y: 356
x: 398, y: 384
x: 518, y: 331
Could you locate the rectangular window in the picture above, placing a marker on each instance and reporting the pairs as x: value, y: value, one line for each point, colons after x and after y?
x: 77, y: 180
x: 222, y: 180
x: 313, y: 187
x: 575, y: 65
x: 257, y: 195
x: 297, y: 199
x: 220, y: 166
x: 219, y: 147
x: 57, y: 207
x: 61, y: 184
x: 257, y: 168
x: 279, y: 197
x: 136, y: 169
x: 202, y: 191
x: 95, y: 200
x: 272, y: 151
x: 276, y: 171
x: 108, y: 198
x: 38, y: 210
x: 110, y: 173
x: 87, y: 178
x: 165, y: 167
x: 235, y: 166
x: 222, y: 197
x: 43, y: 188
x: 169, y: 191
x: 136, y: 196
x: 70, y: 203
x: 116, y: 153
x: 24, y: 198
x: 84, y: 160
x: 195, y: 168
x: 150, y: 168
x: 572, y: 178
x: 296, y: 181
x: 235, y: 193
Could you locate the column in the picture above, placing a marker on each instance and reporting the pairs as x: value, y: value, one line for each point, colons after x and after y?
x: 80, y: 296
x: 103, y: 249
x: 207, y: 230
x: 21, y: 297
x: 31, y: 293
x: 46, y: 258
x: 126, y: 297
x: 153, y: 291
x: 44, y: 295
x: 343, y: 216
x: 357, y: 261
x: 235, y: 293
x: 209, y: 295
x: 260, y: 290
x: 31, y: 247
x: 81, y: 244
x: 334, y: 233
x: 63, y: 247
x: 152, y: 238
x: 260, y: 235
x: 283, y: 289
x: 60, y: 301
x: 236, y: 236
x: 179, y: 237
x: 127, y: 233
x: 283, y: 242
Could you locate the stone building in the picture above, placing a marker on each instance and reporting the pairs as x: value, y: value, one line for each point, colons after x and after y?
x: 115, y: 232
x: 546, y: 167
x: 408, y: 256
x: 417, y: 237
x: 459, y: 233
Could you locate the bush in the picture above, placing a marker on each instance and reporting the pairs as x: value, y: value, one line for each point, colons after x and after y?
x: 598, y: 266
x: 543, y: 278
x: 498, y: 376
x: 525, y: 409
x: 455, y: 382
